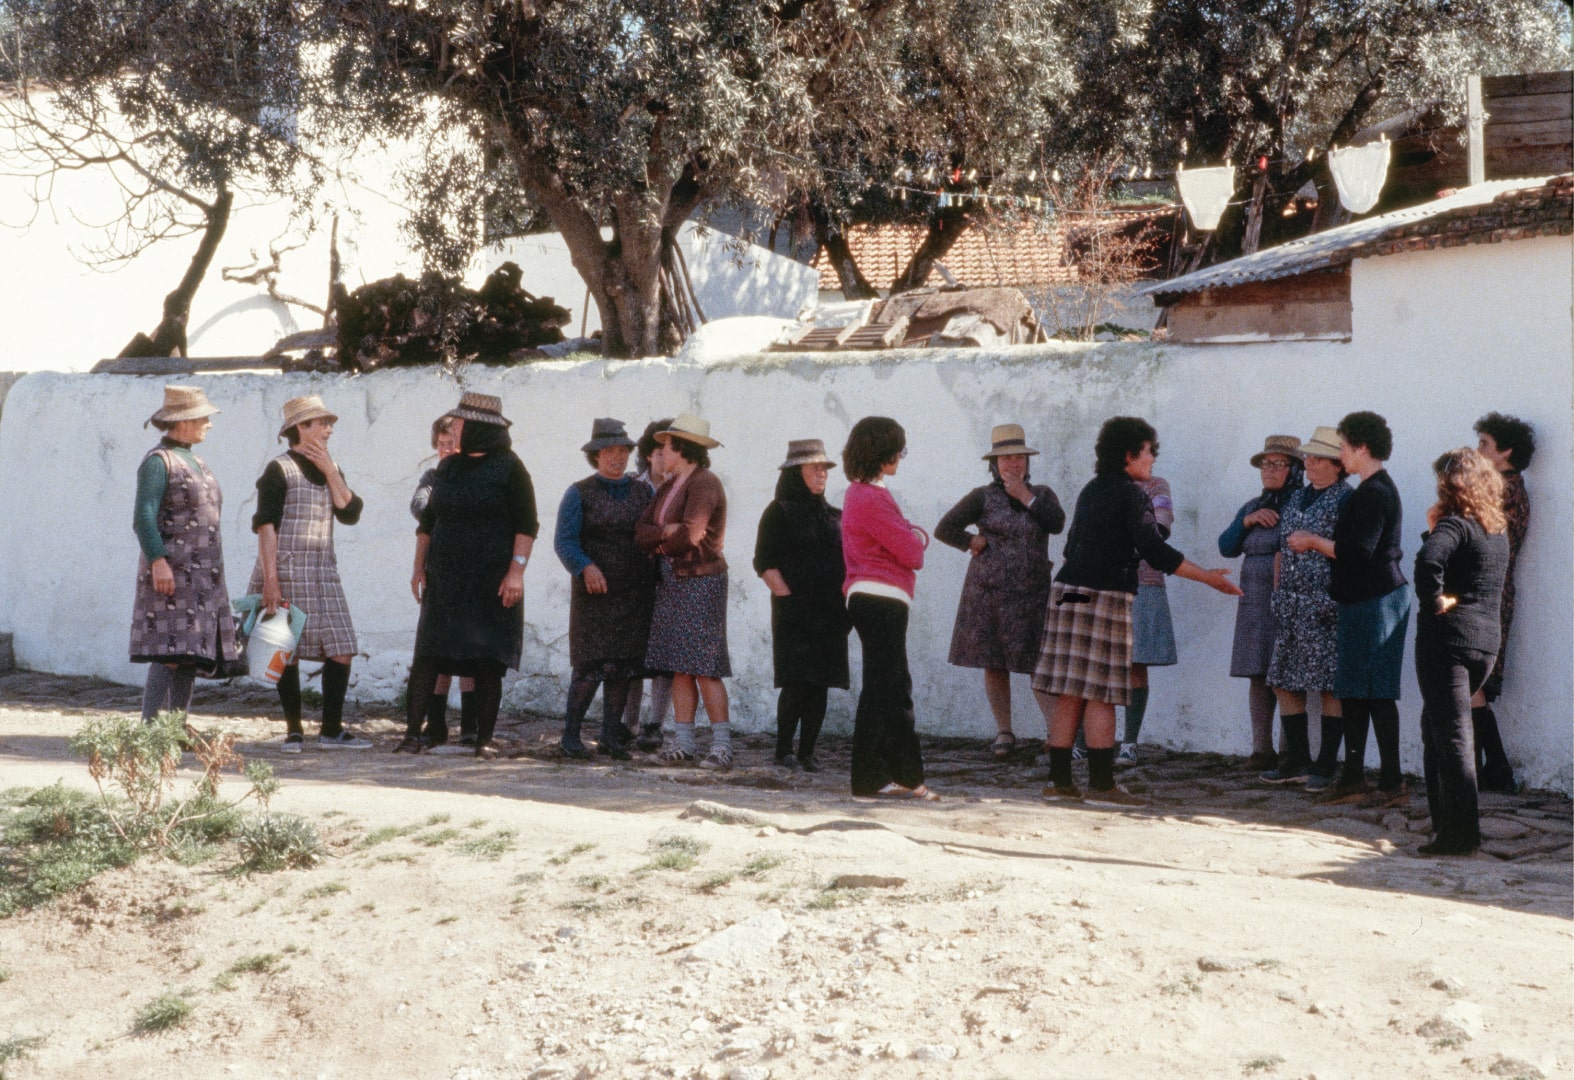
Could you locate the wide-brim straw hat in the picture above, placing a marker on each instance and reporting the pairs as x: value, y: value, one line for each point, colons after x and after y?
x: 1006, y: 439
x: 482, y: 408
x: 690, y: 427
x: 805, y: 452
x: 298, y: 410
x: 1324, y: 443
x: 1283, y: 445
x: 606, y: 433
x: 183, y: 403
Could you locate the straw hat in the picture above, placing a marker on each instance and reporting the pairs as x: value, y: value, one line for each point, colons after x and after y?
x: 690, y: 427
x: 183, y: 403
x: 1283, y: 445
x: 482, y: 408
x: 606, y: 432
x: 1324, y: 443
x: 298, y: 410
x: 805, y: 452
x: 1008, y: 439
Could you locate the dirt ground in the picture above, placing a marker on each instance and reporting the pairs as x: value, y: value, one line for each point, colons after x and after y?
x: 529, y: 917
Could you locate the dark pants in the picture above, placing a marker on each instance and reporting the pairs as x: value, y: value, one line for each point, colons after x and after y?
x: 1449, y: 678
x: 885, y: 743
x: 800, y: 705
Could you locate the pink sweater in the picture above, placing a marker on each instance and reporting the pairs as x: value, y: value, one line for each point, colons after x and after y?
x: 878, y: 543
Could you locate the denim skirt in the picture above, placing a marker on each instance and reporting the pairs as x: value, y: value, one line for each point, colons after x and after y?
x: 1371, y: 646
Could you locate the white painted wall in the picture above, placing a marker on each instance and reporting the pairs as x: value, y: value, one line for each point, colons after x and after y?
x: 69, y: 558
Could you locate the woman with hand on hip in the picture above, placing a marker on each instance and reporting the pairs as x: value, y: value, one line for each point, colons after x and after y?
x: 1000, y: 616
x: 181, y: 619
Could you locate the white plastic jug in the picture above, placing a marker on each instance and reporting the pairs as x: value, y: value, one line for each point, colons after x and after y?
x: 271, y: 647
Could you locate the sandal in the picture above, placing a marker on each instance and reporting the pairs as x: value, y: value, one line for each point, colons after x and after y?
x: 1004, y: 745
x: 893, y: 790
x: 676, y: 755
x: 412, y: 744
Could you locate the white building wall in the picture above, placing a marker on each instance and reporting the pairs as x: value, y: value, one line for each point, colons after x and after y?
x: 69, y: 558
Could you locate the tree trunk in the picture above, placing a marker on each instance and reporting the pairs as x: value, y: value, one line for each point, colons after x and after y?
x: 944, y: 231
x: 831, y: 237
x: 1254, y: 210
x: 169, y: 337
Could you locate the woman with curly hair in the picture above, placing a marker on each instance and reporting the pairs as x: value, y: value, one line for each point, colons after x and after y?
x: 1374, y: 604
x: 1459, y: 575
x: 1508, y: 443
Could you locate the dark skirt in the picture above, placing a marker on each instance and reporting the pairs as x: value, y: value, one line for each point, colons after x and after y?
x: 1372, y: 646
x: 1255, y: 625
x: 607, y: 626
x: 688, y: 627
x: 809, y: 640
x: 999, y: 629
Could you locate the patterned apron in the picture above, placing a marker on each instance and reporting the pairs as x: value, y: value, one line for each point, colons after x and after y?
x: 195, y: 622
x: 308, y: 569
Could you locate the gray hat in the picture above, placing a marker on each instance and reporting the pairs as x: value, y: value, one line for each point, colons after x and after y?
x: 1287, y: 446
x: 482, y: 408
x: 606, y: 432
x: 806, y: 452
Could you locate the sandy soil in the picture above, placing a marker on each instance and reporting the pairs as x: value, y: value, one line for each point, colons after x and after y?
x: 527, y: 917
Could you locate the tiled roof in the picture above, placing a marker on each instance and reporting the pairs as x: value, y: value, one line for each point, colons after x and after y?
x: 1486, y: 213
x: 987, y: 253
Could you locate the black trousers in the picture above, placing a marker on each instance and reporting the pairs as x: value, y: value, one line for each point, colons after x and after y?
x: 885, y: 742
x: 1449, y: 678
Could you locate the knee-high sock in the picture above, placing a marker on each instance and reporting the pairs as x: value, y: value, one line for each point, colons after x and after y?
x: 1357, y: 717
x: 1385, y: 728
x: 155, y: 691
x: 811, y: 720
x: 418, y: 694
x: 789, y: 707
x: 1134, y: 714
x: 290, y: 698
x: 1262, y: 701
x: 488, y: 699
x: 614, y: 702
x: 335, y: 683
x: 1328, y: 745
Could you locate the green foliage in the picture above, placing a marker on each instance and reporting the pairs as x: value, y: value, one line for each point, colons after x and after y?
x: 16, y: 1048
x: 270, y: 842
x: 563, y: 857
x: 674, y: 853
x: 170, y: 1009
x: 54, y: 841
x: 491, y: 847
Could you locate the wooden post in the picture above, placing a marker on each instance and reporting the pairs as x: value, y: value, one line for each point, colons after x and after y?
x: 1475, y: 129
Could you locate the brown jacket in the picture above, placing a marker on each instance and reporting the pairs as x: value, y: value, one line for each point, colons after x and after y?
x: 700, y: 508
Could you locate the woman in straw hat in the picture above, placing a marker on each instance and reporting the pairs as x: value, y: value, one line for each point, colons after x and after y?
x: 1087, y: 651
x: 884, y: 552
x: 181, y: 616
x: 684, y: 529
x: 1305, y: 655
x: 1255, y: 534
x: 798, y: 552
x: 471, y: 548
x: 610, y: 597
x: 301, y: 494
x: 1000, y: 615
x: 1374, y: 605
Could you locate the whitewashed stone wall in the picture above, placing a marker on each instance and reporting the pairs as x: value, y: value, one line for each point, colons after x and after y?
x: 70, y: 445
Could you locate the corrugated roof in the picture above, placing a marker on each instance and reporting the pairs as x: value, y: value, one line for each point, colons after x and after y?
x: 1485, y: 213
x: 985, y: 254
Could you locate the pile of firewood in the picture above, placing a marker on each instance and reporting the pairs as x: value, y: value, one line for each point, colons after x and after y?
x: 436, y: 320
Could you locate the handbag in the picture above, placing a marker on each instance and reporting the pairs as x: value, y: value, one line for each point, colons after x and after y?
x: 243, y: 610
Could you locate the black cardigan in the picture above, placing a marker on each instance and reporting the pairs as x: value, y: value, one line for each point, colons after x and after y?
x: 1366, y: 542
x: 1112, y: 529
x: 1461, y: 559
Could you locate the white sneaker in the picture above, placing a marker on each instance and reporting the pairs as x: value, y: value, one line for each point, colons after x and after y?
x: 1078, y: 753
x: 342, y: 741
x: 1127, y: 756
x: 293, y: 744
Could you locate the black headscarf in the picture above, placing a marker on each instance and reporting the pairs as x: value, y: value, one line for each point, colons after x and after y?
x: 790, y: 488
x: 1275, y: 500
x: 479, y: 437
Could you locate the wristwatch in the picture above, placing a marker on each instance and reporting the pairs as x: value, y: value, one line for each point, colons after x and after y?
x: 522, y: 560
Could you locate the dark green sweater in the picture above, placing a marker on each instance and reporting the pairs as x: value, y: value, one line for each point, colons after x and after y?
x: 152, y: 483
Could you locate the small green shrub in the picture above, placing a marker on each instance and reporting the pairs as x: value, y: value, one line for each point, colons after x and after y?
x: 55, y: 840
x: 674, y: 853
x: 490, y: 848
x: 16, y: 1048
x: 563, y: 857
x: 270, y: 842
x: 168, y: 1010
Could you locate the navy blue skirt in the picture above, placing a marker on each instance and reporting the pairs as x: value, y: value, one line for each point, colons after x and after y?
x: 1371, y: 646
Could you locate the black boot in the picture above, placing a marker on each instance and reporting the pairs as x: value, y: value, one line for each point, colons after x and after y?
x: 615, y: 738
x: 580, y: 693
x: 1297, y: 752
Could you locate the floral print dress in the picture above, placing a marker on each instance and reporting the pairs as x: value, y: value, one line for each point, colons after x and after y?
x: 1305, y: 653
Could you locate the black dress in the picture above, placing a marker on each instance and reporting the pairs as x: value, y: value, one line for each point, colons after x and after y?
x: 800, y: 535
x: 478, y: 506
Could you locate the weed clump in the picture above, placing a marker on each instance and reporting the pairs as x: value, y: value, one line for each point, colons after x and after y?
x: 168, y: 1010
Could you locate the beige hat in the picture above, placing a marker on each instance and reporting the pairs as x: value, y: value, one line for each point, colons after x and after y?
x: 1324, y: 443
x: 1008, y: 439
x: 298, y: 410
x: 1283, y: 445
x: 482, y: 408
x: 183, y: 403
x: 805, y: 452
x: 690, y: 427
